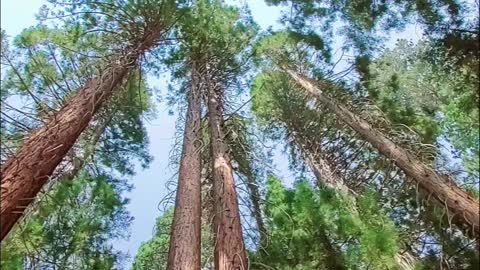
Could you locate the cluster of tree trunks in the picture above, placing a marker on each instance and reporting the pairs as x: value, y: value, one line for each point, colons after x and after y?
x: 24, y: 175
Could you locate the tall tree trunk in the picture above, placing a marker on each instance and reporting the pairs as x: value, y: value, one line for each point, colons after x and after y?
x: 256, y: 209
x: 229, y: 250
x: 185, y: 244
x: 462, y: 208
x: 78, y: 163
x: 24, y: 174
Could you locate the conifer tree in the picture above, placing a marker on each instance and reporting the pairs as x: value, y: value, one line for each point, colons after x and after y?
x: 24, y: 174
x: 446, y: 194
x: 464, y: 208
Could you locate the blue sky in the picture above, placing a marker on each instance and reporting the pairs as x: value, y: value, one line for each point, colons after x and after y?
x: 150, y: 184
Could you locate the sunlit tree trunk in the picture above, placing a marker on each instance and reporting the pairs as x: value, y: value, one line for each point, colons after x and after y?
x: 462, y: 208
x: 229, y: 248
x: 185, y: 246
x: 25, y: 173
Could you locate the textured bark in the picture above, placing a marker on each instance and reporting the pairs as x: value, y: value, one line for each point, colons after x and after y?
x: 24, y: 174
x: 185, y: 244
x: 462, y: 208
x: 229, y: 250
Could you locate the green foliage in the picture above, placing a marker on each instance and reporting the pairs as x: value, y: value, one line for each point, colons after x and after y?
x: 291, y: 48
x: 126, y: 20
x: 71, y: 228
x: 414, y: 90
x: 363, y: 24
x: 214, y: 33
x: 316, y: 228
x: 125, y: 138
x: 153, y: 254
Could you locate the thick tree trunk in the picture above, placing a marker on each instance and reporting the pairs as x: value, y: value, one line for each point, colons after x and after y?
x: 229, y: 250
x: 460, y: 206
x: 24, y: 174
x: 185, y: 246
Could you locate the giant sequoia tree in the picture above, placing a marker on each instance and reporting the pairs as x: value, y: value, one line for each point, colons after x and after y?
x: 185, y: 241
x: 464, y: 207
x: 24, y: 174
x: 281, y: 102
x: 82, y: 209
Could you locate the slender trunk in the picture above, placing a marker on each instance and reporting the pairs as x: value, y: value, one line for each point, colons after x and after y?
x: 229, y: 248
x: 256, y: 209
x: 462, y: 208
x: 79, y: 163
x: 207, y: 218
x: 24, y: 174
x: 321, y: 169
x: 185, y: 247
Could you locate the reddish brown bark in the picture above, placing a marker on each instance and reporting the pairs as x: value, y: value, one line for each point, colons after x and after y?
x: 24, y: 174
x: 185, y: 244
x: 461, y: 207
x: 229, y: 249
